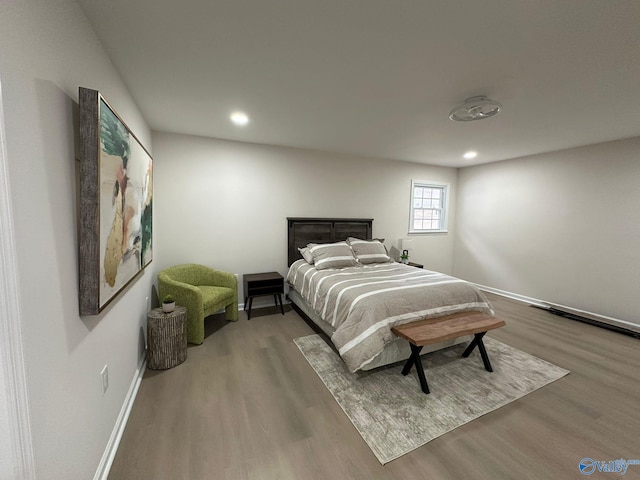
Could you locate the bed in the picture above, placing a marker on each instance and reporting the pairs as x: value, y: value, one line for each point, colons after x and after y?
x: 356, y: 303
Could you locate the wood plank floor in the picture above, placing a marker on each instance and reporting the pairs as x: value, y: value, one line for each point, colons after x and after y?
x: 247, y: 405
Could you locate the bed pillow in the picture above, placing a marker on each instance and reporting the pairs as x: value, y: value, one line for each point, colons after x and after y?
x: 306, y: 254
x: 369, y: 251
x: 332, y: 255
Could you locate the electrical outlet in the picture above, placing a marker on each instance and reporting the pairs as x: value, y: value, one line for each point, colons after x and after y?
x: 104, y: 376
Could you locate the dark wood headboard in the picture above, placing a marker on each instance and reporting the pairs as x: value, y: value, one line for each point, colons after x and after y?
x: 324, y: 230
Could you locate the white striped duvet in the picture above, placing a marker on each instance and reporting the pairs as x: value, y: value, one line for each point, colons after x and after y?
x: 363, y: 303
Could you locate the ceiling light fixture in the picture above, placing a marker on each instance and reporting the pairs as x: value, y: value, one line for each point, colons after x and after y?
x: 239, y: 118
x: 470, y: 154
x: 475, y: 108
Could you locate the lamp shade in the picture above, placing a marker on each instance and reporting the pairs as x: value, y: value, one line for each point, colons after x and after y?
x: 406, y: 243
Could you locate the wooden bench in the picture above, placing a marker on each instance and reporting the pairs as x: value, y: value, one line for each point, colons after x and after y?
x: 436, y: 330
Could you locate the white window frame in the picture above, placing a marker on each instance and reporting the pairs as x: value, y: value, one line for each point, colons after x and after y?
x: 444, y: 187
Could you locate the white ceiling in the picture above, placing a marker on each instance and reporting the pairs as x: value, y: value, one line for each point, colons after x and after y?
x: 379, y: 77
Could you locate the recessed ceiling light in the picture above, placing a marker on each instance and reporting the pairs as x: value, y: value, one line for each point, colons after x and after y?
x: 239, y: 118
x: 471, y: 154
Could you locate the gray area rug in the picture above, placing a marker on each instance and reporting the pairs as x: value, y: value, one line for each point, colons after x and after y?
x: 394, y: 416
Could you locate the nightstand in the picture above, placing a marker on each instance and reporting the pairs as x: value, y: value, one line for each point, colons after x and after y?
x: 417, y: 265
x: 262, y: 284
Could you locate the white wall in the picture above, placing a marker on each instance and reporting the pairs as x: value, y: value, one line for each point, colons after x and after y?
x: 48, y: 51
x: 225, y: 204
x: 16, y: 449
x: 563, y: 227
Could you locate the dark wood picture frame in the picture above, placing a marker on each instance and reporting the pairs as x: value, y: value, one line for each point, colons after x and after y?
x: 116, y: 204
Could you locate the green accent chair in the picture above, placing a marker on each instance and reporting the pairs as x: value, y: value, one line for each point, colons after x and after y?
x: 203, y: 291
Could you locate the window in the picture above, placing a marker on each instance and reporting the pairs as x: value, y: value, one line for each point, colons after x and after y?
x: 429, y: 202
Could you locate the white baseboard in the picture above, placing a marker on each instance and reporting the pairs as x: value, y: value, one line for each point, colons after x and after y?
x: 116, y: 435
x: 544, y: 304
x: 262, y: 303
x: 513, y: 296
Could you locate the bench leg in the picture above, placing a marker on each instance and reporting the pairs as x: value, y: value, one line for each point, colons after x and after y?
x: 485, y: 357
x: 415, y: 359
x: 477, y: 341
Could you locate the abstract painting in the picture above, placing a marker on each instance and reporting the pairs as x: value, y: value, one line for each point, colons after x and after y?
x: 116, y: 200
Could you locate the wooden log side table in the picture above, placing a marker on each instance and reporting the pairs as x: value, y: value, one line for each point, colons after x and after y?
x: 166, y: 338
